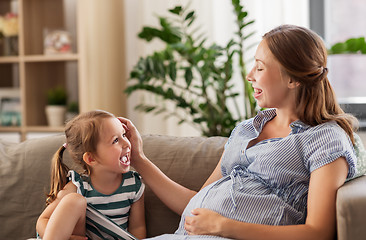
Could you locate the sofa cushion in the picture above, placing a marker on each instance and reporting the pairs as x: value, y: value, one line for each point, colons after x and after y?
x: 24, y: 181
x: 351, y: 209
x: 361, y: 157
x: 188, y: 161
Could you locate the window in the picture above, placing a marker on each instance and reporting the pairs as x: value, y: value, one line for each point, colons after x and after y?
x: 337, y: 21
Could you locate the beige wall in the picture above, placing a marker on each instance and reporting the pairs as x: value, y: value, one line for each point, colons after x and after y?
x: 101, y: 47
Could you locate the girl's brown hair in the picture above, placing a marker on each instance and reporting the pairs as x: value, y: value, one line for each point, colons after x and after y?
x: 82, y: 135
x: 303, y: 56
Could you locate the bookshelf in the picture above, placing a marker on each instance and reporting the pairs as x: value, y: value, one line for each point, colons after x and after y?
x: 93, y: 73
x: 32, y: 72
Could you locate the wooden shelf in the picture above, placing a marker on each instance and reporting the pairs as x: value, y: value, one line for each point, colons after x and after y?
x: 10, y: 129
x: 51, y: 58
x: 93, y: 74
x: 11, y: 59
x: 40, y: 58
x: 33, y: 72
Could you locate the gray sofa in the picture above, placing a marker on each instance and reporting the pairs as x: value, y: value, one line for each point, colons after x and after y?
x: 24, y: 180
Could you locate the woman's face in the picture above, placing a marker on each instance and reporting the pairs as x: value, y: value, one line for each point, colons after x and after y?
x: 272, y: 86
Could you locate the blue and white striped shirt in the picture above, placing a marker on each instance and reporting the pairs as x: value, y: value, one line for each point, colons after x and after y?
x: 268, y: 182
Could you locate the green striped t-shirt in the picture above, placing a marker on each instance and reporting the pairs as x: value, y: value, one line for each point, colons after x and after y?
x: 115, y: 206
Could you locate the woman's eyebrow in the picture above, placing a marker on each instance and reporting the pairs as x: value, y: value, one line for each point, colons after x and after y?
x: 259, y: 60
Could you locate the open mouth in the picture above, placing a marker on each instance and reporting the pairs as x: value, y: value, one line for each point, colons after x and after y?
x: 257, y: 92
x: 125, y: 160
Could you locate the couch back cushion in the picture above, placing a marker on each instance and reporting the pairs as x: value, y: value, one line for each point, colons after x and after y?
x: 188, y: 161
x: 24, y: 181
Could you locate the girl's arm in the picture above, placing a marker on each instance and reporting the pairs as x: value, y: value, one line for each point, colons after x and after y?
x: 321, y: 214
x: 47, y: 212
x: 136, y: 220
x: 172, y: 194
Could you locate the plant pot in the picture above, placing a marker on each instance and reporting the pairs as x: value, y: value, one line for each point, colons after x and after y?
x: 55, y: 115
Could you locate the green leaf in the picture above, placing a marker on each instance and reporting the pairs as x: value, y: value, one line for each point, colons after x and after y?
x: 188, y: 76
x: 189, y: 15
x: 176, y: 10
x: 248, y: 23
x: 363, y: 49
x: 242, y: 15
x: 191, y: 21
x: 235, y: 2
x: 170, y: 93
x: 148, y: 33
x: 354, y: 44
x: 339, y: 48
x: 351, y: 45
x: 172, y: 71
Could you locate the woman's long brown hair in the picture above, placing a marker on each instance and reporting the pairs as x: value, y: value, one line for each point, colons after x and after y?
x: 303, y: 56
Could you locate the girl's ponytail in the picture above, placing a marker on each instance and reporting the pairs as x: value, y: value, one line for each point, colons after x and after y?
x: 59, y: 172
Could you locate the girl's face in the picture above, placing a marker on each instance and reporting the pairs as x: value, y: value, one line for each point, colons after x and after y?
x: 271, y: 85
x: 113, y: 149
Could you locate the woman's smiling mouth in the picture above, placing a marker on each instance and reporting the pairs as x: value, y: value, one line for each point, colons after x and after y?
x: 257, y: 92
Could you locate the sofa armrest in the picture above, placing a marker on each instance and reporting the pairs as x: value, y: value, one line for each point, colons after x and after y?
x: 351, y: 210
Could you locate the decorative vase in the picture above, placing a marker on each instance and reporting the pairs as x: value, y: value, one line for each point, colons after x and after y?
x: 10, y: 46
x: 55, y: 115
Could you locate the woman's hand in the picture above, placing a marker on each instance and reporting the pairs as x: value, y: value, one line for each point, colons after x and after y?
x: 204, y: 222
x: 134, y: 137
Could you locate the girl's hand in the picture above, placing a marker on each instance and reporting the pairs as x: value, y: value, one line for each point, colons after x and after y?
x: 204, y: 222
x: 135, y: 139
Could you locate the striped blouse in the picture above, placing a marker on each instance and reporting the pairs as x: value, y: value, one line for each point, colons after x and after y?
x: 115, y: 206
x: 268, y: 182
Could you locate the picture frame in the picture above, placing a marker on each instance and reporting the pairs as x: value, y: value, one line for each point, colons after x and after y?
x: 57, y: 42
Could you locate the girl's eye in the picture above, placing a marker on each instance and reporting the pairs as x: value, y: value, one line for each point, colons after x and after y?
x: 115, y: 141
x: 259, y: 69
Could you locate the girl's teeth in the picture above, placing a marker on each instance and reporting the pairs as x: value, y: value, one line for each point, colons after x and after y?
x: 124, y: 159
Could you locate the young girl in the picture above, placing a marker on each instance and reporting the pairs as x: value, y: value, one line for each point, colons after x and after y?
x: 97, y: 143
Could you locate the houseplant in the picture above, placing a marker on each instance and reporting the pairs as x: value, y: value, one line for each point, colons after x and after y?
x: 195, y: 77
x: 56, y: 106
x: 351, y: 45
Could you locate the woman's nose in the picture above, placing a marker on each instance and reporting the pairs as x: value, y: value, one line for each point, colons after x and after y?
x: 249, y: 77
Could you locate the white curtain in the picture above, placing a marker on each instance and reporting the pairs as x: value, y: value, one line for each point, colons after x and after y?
x: 216, y: 18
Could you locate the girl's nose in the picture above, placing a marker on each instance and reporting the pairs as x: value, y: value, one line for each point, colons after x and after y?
x: 125, y: 143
